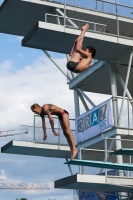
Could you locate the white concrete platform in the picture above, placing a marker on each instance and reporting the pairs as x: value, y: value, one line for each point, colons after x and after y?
x: 97, y: 142
x: 96, y: 145
x: 62, y: 151
x: 36, y: 149
x: 19, y: 16
x: 95, y: 182
x: 92, y: 79
x: 123, y: 151
x: 41, y: 37
x: 56, y: 151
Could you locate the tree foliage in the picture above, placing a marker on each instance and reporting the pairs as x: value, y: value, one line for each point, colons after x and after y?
x: 21, y: 199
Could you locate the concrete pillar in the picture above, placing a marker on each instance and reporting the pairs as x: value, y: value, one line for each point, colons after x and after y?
x: 76, y: 103
x: 115, y: 113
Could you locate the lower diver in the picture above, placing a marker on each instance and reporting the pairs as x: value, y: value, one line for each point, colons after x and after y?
x: 63, y: 115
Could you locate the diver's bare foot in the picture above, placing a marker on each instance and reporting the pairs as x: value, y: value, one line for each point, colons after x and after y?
x: 85, y: 27
x: 74, y: 153
x: 56, y: 133
x: 45, y: 136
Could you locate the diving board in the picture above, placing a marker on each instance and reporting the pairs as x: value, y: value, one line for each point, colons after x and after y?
x: 95, y: 182
x: 108, y: 165
x: 123, y: 151
x: 41, y: 37
x: 36, y: 149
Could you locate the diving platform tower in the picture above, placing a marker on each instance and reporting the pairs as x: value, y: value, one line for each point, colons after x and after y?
x: 53, y: 26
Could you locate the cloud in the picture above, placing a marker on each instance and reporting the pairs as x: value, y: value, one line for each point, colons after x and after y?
x: 39, y: 82
x: 2, y: 175
x: 9, y: 38
x: 20, y: 55
x: 19, y: 38
x: 6, y: 66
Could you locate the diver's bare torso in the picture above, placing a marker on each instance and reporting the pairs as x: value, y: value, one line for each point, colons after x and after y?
x: 84, y: 64
x: 54, y: 110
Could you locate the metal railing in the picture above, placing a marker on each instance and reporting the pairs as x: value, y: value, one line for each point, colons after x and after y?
x: 117, y: 7
x: 35, y: 133
x: 93, y: 25
x: 107, y: 25
x: 104, y: 155
x: 101, y: 5
x: 127, y: 114
x: 124, y: 143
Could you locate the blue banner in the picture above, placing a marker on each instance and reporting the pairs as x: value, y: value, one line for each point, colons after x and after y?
x: 94, y: 122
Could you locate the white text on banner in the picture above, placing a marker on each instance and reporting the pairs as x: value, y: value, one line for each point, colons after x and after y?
x: 94, y: 121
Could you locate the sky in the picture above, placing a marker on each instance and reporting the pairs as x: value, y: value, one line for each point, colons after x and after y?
x: 27, y: 76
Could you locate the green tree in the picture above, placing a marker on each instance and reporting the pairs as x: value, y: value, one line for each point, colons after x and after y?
x: 21, y: 199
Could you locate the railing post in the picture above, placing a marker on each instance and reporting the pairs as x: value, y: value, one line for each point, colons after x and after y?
x: 128, y: 114
x: 132, y: 115
x: 34, y: 130
x: 64, y: 13
x: 96, y: 4
x: 59, y: 131
x: 119, y: 157
x: 117, y: 21
x: 130, y: 161
x: 105, y: 145
x: 81, y: 167
x: 45, y: 17
x: 75, y: 3
x: 20, y: 132
x: 95, y: 27
x: 102, y: 6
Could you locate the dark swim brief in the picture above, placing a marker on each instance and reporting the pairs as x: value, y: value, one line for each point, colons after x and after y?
x: 62, y: 113
x: 71, y: 65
